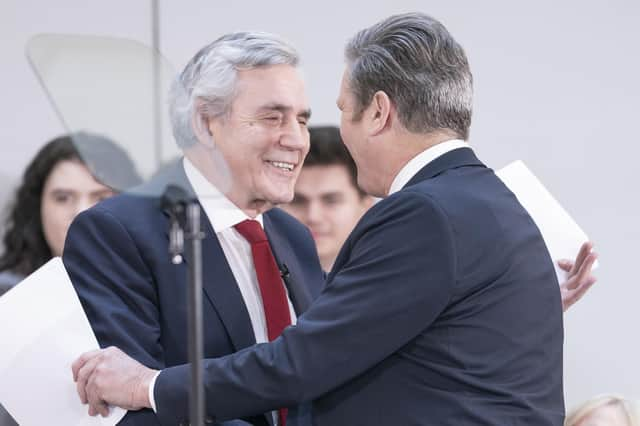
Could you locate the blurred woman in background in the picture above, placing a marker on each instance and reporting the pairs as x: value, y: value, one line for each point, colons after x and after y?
x: 68, y: 175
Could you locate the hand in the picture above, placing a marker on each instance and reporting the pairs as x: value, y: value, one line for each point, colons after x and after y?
x: 579, y: 277
x: 109, y: 376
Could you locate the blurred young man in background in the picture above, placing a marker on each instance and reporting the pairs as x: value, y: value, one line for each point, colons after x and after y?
x: 327, y: 198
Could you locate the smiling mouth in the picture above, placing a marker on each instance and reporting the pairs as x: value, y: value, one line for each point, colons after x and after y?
x: 287, y: 167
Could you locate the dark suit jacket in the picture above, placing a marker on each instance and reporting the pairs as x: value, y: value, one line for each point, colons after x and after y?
x: 136, y: 299
x: 442, y: 308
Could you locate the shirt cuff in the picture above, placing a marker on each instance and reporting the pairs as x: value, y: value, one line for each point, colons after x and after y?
x: 152, y: 385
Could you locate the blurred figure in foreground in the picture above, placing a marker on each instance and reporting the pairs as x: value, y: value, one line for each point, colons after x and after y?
x: 605, y: 410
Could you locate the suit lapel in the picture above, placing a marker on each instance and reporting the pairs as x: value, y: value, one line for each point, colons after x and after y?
x: 222, y: 291
x: 282, y: 251
x: 218, y: 283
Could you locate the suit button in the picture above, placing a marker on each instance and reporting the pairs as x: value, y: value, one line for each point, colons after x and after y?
x: 209, y: 420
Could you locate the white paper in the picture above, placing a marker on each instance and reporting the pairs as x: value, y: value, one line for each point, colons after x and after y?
x: 560, y: 232
x: 43, y: 329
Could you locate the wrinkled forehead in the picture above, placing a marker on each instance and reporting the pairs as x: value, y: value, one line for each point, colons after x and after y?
x: 275, y: 85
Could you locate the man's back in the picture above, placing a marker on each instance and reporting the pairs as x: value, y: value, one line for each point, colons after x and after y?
x: 493, y: 352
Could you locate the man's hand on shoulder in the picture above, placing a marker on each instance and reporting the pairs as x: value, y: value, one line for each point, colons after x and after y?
x: 110, y: 377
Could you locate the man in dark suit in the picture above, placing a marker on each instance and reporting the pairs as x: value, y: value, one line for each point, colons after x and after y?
x: 442, y: 307
x: 239, y: 112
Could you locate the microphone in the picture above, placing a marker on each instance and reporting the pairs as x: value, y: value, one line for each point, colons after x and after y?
x: 174, y: 201
x: 284, y: 273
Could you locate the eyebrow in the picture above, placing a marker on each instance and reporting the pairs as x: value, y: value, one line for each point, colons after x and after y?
x: 284, y: 108
x: 331, y: 194
x: 102, y: 191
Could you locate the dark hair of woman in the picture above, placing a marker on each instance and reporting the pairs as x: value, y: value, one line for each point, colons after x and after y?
x: 24, y: 242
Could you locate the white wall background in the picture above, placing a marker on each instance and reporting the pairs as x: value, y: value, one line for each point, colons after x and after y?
x: 556, y: 85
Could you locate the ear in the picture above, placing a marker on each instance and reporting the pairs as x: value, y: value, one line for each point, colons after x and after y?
x: 202, y: 125
x: 379, y: 113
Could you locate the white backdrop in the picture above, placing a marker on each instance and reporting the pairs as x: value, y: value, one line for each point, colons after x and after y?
x: 556, y: 85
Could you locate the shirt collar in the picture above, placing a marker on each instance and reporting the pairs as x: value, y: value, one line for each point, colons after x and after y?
x: 419, y: 161
x: 221, y: 211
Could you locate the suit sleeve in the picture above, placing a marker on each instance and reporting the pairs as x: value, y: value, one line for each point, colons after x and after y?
x: 116, y: 290
x: 397, y: 276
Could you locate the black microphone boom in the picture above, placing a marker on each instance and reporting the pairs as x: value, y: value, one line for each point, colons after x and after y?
x: 184, y: 214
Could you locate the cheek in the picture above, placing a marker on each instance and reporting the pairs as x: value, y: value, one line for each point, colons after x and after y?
x: 54, y: 227
x: 242, y: 150
x: 56, y: 218
x: 336, y: 216
x: 339, y: 227
x: 349, y: 216
x: 344, y: 127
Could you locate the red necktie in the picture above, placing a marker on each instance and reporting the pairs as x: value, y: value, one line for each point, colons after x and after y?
x: 274, y: 297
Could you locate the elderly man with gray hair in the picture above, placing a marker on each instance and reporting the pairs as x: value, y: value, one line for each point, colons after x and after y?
x: 239, y: 112
x: 442, y: 308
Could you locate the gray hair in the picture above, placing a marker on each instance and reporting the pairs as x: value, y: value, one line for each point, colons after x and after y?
x: 207, y: 85
x: 417, y: 63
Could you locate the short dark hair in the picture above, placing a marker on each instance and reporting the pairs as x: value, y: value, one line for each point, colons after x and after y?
x: 26, y: 248
x: 327, y: 149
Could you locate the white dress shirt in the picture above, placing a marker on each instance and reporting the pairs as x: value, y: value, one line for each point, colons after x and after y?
x: 419, y: 161
x: 223, y: 215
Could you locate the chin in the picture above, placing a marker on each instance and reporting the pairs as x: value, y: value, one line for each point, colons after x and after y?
x: 280, y: 201
x: 281, y: 197
x: 373, y: 190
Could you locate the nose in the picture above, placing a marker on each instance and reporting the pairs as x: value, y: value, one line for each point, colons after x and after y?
x: 314, y: 212
x: 295, y: 136
x: 83, y: 204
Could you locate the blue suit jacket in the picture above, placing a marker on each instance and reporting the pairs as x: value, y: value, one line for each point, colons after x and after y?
x: 136, y: 299
x: 442, y: 308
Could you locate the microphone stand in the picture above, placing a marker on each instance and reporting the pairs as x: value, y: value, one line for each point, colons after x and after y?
x: 184, y: 213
